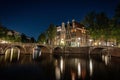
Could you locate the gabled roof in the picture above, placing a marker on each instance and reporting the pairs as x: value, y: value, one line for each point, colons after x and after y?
x: 78, y: 25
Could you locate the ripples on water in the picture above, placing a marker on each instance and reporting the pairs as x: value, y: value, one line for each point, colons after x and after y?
x: 67, y: 67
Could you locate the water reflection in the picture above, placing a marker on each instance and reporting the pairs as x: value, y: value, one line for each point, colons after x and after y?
x: 91, y: 67
x: 73, y: 75
x: 75, y: 67
x: 79, y: 70
x: 57, y: 71
x: 61, y: 65
x: 106, y: 59
x: 60, y: 68
x: 12, y: 53
x: 36, y: 52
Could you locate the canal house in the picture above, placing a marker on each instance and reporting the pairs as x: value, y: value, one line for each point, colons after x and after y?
x: 71, y: 34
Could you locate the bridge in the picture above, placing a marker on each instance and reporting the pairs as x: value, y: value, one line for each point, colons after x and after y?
x: 15, y: 51
x: 25, y: 48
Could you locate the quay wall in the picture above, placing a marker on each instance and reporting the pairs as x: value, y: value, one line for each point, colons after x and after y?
x: 76, y: 50
x: 28, y: 49
x: 113, y: 51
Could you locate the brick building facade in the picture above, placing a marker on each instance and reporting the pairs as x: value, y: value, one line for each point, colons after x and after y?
x: 71, y: 34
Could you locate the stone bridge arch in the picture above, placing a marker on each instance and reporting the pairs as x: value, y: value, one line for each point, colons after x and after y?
x: 13, y: 52
x: 99, y: 50
x: 22, y: 49
x: 2, y: 48
x: 57, y: 49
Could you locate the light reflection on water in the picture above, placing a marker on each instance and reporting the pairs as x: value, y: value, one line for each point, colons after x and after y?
x: 91, y: 67
x: 70, y: 67
x: 106, y: 59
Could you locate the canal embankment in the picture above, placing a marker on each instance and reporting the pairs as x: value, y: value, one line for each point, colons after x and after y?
x: 112, y: 51
x: 115, y: 52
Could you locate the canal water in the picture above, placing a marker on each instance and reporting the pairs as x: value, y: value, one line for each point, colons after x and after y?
x: 67, y: 67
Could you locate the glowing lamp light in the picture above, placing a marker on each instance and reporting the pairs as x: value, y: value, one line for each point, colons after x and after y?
x: 79, y: 38
x: 90, y: 40
x: 91, y: 67
x: 95, y: 44
x: 62, y: 41
x: 61, y: 65
x: 4, y: 42
x: 99, y: 43
x: 79, y: 69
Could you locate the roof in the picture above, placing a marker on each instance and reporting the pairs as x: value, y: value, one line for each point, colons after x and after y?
x: 78, y: 25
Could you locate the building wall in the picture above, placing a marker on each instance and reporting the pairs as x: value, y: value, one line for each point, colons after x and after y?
x: 72, y: 34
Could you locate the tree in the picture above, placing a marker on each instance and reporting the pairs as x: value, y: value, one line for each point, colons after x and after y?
x: 89, y: 19
x: 33, y: 39
x: 89, y: 22
x: 51, y: 33
x: 116, y: 17
x: 117, y: 14
x: 3, y: 31
x: 98, y: 25
x: 23, y: 38
x: 102, y: 24
x: 42, y: 38
x: 17, y: 38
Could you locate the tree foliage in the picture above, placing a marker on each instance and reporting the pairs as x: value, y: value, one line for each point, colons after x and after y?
x: 3, y: 31
x: 116, y: 18
x: 33, y: 40
x: 42, y: 38
x: 100, y: 26
x: 51, y: 33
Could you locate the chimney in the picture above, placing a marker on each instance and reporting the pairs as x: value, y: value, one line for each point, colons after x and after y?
x: 63, y: 25
x: 68, y: 22
x: 68, y: 25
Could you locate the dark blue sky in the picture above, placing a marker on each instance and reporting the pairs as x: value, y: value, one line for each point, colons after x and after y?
x: 34, y: 16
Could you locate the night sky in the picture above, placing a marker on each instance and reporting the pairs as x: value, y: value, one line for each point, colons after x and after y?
x: 34, y: 16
